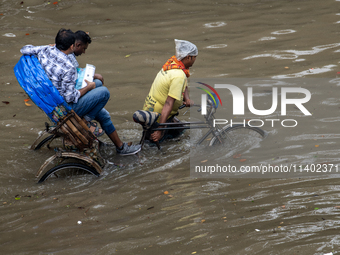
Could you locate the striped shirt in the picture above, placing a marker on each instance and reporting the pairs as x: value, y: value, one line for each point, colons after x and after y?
x: 73, y: 59
x: 59, y: 69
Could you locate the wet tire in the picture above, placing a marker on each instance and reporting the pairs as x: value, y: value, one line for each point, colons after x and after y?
x: 66, y: 169
x: 43, y: 142
x: 228, y: 133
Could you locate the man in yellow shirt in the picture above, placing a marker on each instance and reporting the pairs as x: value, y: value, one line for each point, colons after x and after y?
x: 170, y: 87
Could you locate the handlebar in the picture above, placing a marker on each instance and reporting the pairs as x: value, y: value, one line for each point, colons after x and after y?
x: 194, y: 105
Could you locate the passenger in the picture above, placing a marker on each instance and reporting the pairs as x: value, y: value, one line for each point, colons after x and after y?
x: 87, y: 102
x: 170, y: 87
x: 81, y: 44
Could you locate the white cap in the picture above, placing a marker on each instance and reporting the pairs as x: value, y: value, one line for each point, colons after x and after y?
x: 185, y: 48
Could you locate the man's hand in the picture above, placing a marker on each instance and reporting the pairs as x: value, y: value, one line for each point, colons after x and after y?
x: 90, y: 86
x: 188, y: 103
x: 156, y: 136
x: 99, y: 77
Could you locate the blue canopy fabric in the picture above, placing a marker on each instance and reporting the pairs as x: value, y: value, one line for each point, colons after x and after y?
x: 33, y: 79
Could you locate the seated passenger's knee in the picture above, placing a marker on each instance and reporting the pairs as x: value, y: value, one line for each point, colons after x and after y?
x: 103, y: 92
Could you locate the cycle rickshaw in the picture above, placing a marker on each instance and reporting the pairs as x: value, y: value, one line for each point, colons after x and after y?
x: 80, y: 148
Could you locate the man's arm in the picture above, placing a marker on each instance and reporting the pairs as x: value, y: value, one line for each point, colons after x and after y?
x: 69, y: 92
x: 31, y: 50
x: 186, y: 99
x: 167, y: 108
x: 99, y: 77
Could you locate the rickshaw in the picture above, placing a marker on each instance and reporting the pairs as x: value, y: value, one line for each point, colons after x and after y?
x: 80, y: 148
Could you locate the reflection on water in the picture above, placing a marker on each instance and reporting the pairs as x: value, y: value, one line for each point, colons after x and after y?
x: 294, y: 54
x: 283, y: 32
x: 217, y: 46
x: 148, y: 203
x: 318, y: 70
x: 215, y: 24
x: 267, y: 38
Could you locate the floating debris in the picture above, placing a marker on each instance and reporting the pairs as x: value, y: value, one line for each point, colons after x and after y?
x: 9, y: 35
x: 27, y: 104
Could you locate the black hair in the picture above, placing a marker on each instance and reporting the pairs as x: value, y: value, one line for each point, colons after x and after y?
x: 64, y: 39
x: 83, y: 37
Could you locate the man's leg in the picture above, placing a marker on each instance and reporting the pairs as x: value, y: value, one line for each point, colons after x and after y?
x: 91, y: 103
x: 94, y: 128
x: 104, y: 118
x: 115, y: 139
x: 169, y: 134
x: 98, y: 83
x: 91, y: 106
x: 174, y: 133
x: 105, y: 121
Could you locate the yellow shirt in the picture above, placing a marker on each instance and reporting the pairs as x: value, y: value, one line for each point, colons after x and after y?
x: 167, y: 83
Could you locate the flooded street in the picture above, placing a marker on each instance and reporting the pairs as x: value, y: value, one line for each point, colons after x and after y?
x: 150, y: 203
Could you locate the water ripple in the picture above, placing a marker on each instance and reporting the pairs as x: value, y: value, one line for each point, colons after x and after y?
x: 215, y: 24
x: 294, y: 54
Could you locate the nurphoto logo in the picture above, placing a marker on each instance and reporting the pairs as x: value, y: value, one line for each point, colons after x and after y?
x: 239, y: 105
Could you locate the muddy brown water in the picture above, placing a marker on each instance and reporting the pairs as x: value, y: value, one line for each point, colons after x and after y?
x: 126, y: 211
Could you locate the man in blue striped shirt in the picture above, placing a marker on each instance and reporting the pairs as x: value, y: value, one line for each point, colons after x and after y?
x: 87, y: 102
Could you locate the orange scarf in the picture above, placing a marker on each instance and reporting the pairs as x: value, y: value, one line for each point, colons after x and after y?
x: 178, y: 65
